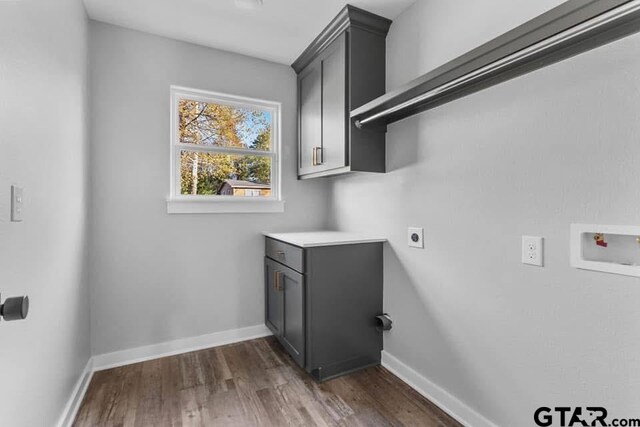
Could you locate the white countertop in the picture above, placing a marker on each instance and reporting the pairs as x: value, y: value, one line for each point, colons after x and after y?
x: 324, y: 238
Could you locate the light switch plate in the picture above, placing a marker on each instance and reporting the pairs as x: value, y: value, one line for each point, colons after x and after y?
x: 17, y: 202
x: 532, y: 250
x: 415, y: 237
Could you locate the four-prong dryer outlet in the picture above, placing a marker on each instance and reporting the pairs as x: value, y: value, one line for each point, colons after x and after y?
x: 415, y: 237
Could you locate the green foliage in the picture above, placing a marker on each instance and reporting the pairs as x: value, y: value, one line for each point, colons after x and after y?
x: 201, y: 123
x: 259, y: 167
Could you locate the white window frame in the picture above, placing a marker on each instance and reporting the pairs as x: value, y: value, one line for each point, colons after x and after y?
x: 179, y: 203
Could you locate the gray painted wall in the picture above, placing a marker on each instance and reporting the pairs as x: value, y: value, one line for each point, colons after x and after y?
x: 43, y: 147
x: 529, y: 156
x: 157, y: 277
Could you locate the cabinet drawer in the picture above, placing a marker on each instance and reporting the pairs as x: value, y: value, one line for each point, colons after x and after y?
x: 284, y: 253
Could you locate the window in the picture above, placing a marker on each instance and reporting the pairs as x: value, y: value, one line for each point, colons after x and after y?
x: 224, y: 153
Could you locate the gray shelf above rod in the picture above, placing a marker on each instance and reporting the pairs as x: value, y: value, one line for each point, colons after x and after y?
x: 574, y: 27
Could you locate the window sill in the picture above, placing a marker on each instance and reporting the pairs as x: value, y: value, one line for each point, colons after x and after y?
x: 224, y: 206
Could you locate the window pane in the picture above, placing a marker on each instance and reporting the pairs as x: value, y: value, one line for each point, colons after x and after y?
x: 220, y: 125
x: 224, y: 174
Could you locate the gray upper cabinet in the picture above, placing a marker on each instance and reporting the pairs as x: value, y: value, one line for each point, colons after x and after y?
x: 310, y: 115
x: 341, y: 70
x: 334, y: 86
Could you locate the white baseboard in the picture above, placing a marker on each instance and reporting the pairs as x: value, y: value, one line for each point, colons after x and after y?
x: 141, y: 354
x: 170, y: 348
x: 73, y: 404
x: 443, y: 399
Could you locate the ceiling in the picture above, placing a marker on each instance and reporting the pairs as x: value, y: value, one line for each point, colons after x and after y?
x: 278, y: 31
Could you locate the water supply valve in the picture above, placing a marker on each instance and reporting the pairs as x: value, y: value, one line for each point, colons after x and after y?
x: 384, y: 322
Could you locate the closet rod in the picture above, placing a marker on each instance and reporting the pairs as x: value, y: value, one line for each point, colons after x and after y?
x: 588, y: 28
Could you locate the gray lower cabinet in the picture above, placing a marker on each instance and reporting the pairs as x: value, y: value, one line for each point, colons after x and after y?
x: 285, y: 307
x: 323, y: 312
x: 342, y: 69
x: 274, y: 301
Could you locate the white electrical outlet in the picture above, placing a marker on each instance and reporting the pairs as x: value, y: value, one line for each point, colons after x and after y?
x: 532, y: 251
x: 415, y: 237
x: 17, y: 203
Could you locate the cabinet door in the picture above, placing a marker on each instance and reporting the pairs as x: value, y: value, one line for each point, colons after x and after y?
x: 334, y: 105
x: 274, y: 314
x: 310, y: 117
x: 293, y: 331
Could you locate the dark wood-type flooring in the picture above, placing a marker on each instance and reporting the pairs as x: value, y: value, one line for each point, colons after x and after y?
x: 252, y: 383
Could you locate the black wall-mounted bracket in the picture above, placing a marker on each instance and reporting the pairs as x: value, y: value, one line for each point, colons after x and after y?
x: 16, y: 308
x: 384, y: 322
